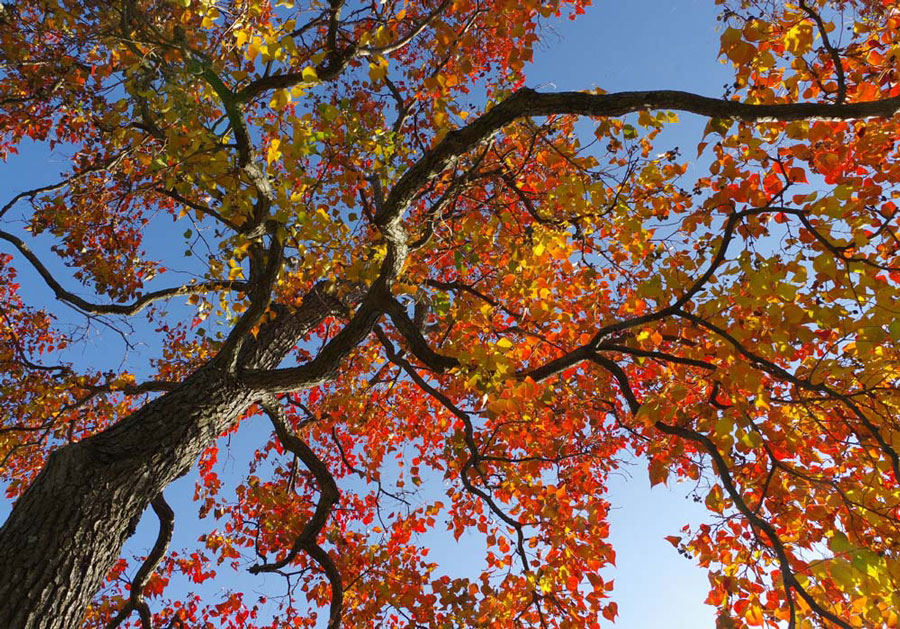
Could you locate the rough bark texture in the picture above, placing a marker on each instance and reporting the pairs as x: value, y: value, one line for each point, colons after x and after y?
x: 68, y: 529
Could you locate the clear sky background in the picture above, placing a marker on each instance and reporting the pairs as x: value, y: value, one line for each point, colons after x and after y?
x: 618, y: 45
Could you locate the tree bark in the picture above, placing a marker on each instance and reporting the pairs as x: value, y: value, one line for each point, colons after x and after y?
x: 68, y: 528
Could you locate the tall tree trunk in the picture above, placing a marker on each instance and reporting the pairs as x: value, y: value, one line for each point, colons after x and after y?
x: 68, y: 529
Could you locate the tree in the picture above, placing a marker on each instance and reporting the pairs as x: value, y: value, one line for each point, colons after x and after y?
x: 421, y: 273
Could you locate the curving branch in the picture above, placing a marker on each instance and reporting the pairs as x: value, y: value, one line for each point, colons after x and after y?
x: 439, y: 363
x: 324, y: 366
x: 260, y: 293
x: 30, y: 194
x: 403, y: 108
x: 840, y: 252
x: 329, y: 496
x: 472, y: 462
x: 417, y: 343
x: 526, y: 103
x: 522, y: 104
x: 233, y: 111
x: 805, y: 384
x: 404, y: 41
x: 656, y: 355
x: 777, y: 546
x: 329, y: 69
x: 829, y: 47
x: 589, y: 349
x: 20, y: 351
x: 721, y: 468
x: 136, y: 601
x: 335, y: 7
x: 151, y: 386
x: 199, y: 207
x: 116, y: 309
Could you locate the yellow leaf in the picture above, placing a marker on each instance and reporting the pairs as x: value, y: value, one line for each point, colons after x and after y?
x: 733, y: 47
x: 252, y: 51
x: 799, y: 39
x: 753, y: 616
x: 714, y: 499
x: 289, y: 45
x: 279, y: 99
x: 378, y: 69
x: 273, y: 153
x: 309, y: 74
x: 382, y: 36
x: 825, y: 265
x: 751, y: 439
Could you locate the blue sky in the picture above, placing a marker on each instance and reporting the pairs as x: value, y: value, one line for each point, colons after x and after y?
x: 617, y: 45
x: 621, y: 45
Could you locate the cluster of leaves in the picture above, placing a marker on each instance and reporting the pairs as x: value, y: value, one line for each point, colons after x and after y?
x: 535, y: 304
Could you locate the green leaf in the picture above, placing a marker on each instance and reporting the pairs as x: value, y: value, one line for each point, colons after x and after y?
x: 839, y: 543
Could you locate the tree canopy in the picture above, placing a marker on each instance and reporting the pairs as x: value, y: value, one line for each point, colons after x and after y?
x: 455, y: 307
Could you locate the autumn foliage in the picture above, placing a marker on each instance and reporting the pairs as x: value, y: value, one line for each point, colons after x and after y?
x: 451, y: 310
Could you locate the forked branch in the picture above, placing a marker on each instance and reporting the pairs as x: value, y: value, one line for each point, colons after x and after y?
x: 329, y: 495
x: 136, y: 600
